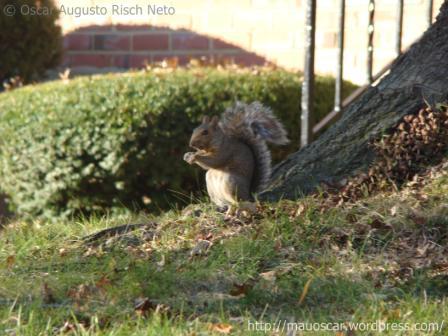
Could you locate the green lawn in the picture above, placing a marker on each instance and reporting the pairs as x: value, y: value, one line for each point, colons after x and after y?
x: 382, y: 260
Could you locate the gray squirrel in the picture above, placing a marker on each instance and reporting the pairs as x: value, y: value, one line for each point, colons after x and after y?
x: 234, y: 152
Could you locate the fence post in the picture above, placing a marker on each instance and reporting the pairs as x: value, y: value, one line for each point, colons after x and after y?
x: 306, y: 118
x: 430, y: 10
x: 370, y: 31
x: 399, y: 27
x: 340, y: 58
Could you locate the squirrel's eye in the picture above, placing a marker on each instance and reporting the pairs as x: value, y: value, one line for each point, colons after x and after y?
x: 204, y: 132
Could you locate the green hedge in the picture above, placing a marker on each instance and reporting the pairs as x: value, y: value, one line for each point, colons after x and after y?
x: 118, y: 140
x: 30, y: 39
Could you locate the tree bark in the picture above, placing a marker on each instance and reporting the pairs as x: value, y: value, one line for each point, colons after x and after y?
x: 417, y: 77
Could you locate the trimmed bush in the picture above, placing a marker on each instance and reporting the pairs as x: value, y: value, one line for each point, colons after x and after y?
x: 118, y: 140
x: 30, y: 40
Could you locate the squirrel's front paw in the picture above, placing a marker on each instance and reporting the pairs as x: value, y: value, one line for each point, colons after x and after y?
x: 189, y: 157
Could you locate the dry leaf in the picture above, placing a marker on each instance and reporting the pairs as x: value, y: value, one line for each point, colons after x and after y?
x: 393, y: 211
x: 222, y: 328
x: 10, y: 261
x: 201, y: 248
x: 103, y: 282
x: 143, y: 306
x: 67, y: 328
x: 300, y: 210
x: 268, y: 276
x: 305, y: 290
x: 47, y: 294
x: 240, y: 289
x: 81, y: 292
x: 419, y: 220
x: 278, y: 244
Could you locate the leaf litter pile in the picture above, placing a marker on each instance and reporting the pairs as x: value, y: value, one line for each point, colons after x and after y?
x: 420, y: 140
x: 406, y: 159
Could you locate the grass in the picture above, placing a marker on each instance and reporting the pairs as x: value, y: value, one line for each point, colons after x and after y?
x: 381, y: 260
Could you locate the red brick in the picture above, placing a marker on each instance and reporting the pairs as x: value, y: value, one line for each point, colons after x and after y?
x: 78, y: 42
x: 130, y: 28
x: 150, y: 42
x: 189, y: 41
x: 249, y: 59
x: 121, y: 61
x: 98, y: 61
x: 112, y: 42
x: 220, y: 44
x: 95, y: 28
x: 138, y: 61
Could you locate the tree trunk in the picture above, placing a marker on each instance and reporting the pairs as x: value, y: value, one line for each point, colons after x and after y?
x: 418, y: 76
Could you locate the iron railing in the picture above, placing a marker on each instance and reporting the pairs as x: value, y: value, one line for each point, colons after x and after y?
x: 308, y: 128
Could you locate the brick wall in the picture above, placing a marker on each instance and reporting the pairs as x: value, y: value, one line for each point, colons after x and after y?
x: 131, y: 46
x: 247, y: 31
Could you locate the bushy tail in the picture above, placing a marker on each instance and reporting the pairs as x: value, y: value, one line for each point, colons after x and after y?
x: 255, y: 124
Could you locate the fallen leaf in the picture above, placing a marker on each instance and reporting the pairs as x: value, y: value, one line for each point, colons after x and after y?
x: 10, y: 261
x: 62, y: 252
x: 47, y: 294
x: 268, y: 276
x: 81, y: 292
x: 419, y: 220
x: 201, y: 248
x: 421, y: 250
x: 240, y: 289
x: 305, y: 290
x: 278, y: 244
x: 300, y: 210
x: 222, y: 328
x: 393, y: 211
x: 67, y: 328
x: 394, y: 313
x: 143, y: 305
x: 103, y: 282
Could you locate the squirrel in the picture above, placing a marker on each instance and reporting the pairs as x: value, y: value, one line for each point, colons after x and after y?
x: 234, y: 152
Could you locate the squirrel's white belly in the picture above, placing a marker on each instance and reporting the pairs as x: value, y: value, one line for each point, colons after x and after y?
x: 218, y: 183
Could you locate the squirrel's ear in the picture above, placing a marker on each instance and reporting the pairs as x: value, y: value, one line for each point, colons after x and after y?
x: 205, y: 119
x: 214, y: 121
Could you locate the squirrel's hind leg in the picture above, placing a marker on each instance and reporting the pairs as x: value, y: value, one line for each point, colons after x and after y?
x: 242, y: 209
x: 231, y: 211
x: 246, y: 209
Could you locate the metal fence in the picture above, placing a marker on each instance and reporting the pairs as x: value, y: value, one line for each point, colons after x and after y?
x: 308, y: 126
